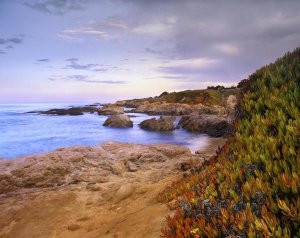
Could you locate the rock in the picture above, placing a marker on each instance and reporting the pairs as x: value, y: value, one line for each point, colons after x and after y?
x: 159, y: 108
x: 131, y: 166
x: 110, y: 109
x: 123, y: 192
x: 185, y: 166
x: 231, y: 101
x: 161, y: 124
x: 212, y: 125
x: 93, y: 187
x: 84, y: 164
x: 118, y: 234
x: 73, y: 111
x: 117, y: 169
x: 73, y: 227
x: 119, y: 121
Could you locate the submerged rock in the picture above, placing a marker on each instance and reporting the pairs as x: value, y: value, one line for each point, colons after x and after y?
x: 119, y: 121
x: 161, y: 124
x: 110, y: 109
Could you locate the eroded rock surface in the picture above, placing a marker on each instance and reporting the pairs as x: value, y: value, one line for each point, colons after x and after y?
x: 110, y: 109
x: 119, y: 121
x: 99, y: 191
x: 161, y: 124
x: 212, y: 125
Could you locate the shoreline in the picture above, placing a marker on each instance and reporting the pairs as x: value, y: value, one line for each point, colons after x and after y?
x: 99, y: 191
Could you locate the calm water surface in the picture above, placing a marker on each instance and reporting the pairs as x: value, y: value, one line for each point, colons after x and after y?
x: 24, y: 134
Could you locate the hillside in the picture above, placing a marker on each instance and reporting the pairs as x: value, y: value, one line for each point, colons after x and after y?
x: 251, y: 188
x: 207, y: 97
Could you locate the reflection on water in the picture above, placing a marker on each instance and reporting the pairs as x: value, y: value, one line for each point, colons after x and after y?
x: 24, y: 134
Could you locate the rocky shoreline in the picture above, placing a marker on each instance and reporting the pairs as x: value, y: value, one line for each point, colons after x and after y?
x: 107, y: 190
x: 99, y: 191
x: 202, y: 114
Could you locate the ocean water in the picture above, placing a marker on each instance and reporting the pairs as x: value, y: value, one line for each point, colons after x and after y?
x: 24, y: 134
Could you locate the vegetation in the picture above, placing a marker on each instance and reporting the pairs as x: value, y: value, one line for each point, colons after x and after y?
x: 212, y: 96
x: 251, y: 188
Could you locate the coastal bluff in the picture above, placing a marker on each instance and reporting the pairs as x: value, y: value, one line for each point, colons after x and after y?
x: 108, y: 190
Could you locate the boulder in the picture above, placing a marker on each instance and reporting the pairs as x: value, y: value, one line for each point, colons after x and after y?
x: 119, y: 121
x: 110, y: 109
x: 161, y: 124
x: 131, y: 166
x: 212, y: 125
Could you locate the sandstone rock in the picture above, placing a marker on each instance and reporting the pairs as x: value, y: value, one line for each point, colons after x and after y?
x: 131, y: 166
x: 231, y: 101
x: 161, y: 124
x: 93, y: 187
x: 212, y: 125
x: 110, y: 109
x: 123, y: 192
x: 73, y: 227
x: 83, y: 164
x: 120, y: 121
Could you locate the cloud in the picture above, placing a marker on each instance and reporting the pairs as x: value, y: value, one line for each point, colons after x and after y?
x: 87, y: 31
x: 227, y: 49
x: 152, y: 51
x: 8, y: 43
x: 44, y: 60
x: 113, y: 22
x: 56, y: 7
x: 152, y: 29
x: 90, y: 67
x: 111, y: 28
x: 85, y: 79
x: 188, y: 66
x: 13, y: 40
x: 69, y: 38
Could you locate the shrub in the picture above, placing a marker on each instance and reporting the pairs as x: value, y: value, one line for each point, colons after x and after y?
x: 251, y: 188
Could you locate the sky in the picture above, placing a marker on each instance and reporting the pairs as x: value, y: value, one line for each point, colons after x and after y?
x: 105, y: 50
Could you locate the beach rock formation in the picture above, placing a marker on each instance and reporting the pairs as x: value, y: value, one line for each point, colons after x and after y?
x: 104, y: 191
x: 81, y: 164
x: 161, y: 124
x: 213, y: 125
x: 119, y: 121
x: 110, y: 109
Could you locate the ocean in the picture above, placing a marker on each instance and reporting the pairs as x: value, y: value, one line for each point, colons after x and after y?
x: 24, y: 134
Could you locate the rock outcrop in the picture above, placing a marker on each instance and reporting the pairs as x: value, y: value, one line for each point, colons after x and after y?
x: 81, y: 164
x: 213, y: 125
x: 63, y: 192
x: 158, y: 108
x: 73, y: 111
x: 110, y: 109
x: 161, y: 124
x: 119, y: 121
